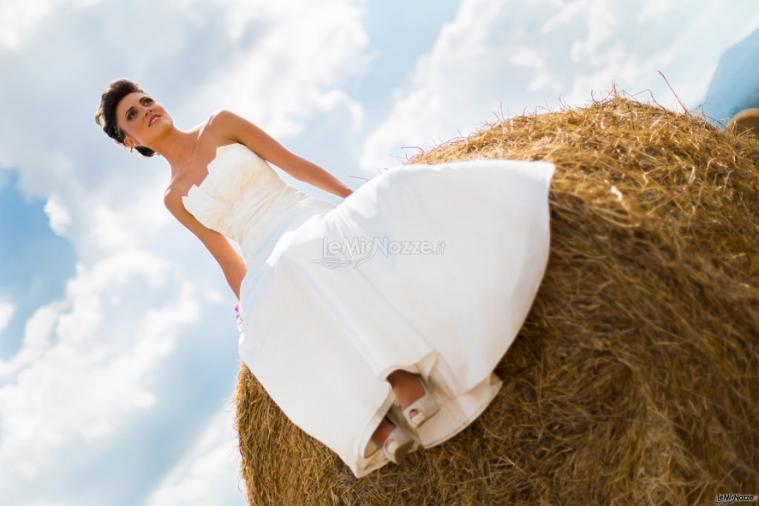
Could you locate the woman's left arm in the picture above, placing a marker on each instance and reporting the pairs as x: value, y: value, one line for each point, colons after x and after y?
x: 314, y: 175
x: 236, y: 127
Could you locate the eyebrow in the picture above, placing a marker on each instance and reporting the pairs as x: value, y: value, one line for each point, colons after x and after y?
x: 132, y: 107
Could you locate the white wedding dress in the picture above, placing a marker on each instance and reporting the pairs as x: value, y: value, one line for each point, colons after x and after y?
x: 459, y: 251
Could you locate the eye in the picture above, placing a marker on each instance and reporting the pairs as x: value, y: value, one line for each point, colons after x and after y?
x: 144, y: 101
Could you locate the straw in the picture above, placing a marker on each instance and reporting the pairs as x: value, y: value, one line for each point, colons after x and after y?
x: 634, y: 378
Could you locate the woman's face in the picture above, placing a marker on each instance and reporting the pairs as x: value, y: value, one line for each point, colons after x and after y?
x: 134, y: 115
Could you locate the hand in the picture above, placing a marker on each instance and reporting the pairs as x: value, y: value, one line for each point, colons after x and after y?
x: 238, y: 317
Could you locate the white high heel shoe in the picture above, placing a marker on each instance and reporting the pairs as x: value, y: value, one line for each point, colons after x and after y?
x: 396, y: 445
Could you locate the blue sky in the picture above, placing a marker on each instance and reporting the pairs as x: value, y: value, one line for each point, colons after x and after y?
x: 118, y: 349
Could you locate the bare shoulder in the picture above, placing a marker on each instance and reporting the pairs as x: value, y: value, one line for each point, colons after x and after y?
x: 172, y: 199
x: 214, y: 241
x: 225, y: 123
x: 221, y: 116
x: 172, y: 196
x: 237, y: 128
x: 213, y: 132
x: 216, y: 119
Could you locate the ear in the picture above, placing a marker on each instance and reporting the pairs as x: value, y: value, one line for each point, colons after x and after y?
x: 129, y: 142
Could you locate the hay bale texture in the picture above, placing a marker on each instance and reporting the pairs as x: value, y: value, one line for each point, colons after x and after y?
x: 747, y: 119
x: 634, y: 378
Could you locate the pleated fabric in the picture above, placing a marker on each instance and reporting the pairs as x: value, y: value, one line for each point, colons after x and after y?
x: 431, y: 268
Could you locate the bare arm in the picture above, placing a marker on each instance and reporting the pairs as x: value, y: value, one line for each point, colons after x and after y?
x: 314, y: 175
x: 243, y: 131
x: 231, y: 263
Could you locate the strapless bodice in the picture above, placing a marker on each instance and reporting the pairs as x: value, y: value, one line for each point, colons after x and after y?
x: 242, y: 196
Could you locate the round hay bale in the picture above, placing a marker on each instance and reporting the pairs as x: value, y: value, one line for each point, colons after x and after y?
x: 745, y: 120
x: 634, y: 378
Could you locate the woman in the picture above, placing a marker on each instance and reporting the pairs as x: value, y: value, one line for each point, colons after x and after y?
x: 374, y: 324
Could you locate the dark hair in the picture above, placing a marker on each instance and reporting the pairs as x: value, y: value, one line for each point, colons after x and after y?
x: 105, y: 116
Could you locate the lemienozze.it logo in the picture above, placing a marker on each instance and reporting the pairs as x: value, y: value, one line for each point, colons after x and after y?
x: 733, y: 498
x: 354, y: 251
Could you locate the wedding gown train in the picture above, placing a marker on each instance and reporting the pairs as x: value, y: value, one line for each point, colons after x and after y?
x: 431, y: 268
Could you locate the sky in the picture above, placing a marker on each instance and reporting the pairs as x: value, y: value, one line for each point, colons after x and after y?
x: 118, y: 346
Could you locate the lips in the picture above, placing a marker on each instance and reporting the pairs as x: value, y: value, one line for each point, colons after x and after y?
x: 150, y: 121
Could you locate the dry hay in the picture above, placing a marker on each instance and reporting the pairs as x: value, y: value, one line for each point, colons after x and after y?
x: 634, y: 377
x: 747, y: 119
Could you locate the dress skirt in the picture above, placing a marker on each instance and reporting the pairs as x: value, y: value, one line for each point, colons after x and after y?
x: 431, y: 268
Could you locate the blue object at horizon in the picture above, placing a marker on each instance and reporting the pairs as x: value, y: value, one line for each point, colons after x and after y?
x: 735, y: 84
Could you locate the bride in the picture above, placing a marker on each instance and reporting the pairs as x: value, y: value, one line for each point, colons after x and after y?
x: 377, y: 358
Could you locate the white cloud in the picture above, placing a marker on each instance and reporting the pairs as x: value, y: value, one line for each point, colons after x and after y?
x: 36, y: 340
x: 58, y: 217
x: 209, y: 473
x: 602, y: 22
x: 7, y: 309
x: 652, y: 8
x: 19, y: 19
x: 85, y: 375
x: 295, y: 69
x: 82, y: 366
x: 515, y: 57
x: 88, y: 363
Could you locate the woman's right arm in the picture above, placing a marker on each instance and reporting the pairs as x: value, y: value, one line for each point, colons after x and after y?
x: 232, y: 264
